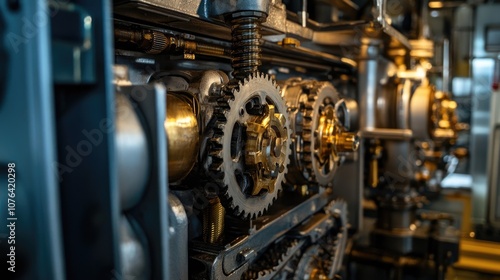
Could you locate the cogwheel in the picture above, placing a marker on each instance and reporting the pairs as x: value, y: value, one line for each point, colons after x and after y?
x: 316, y: 261
x: 250, y: 146
x: 318, y: 135
x: 323, y: 259
x: 277, y: 256
x: 338, y: 209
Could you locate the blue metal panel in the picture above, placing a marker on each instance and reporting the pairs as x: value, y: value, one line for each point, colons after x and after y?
x: 28, y: 139
x: 86, y: 158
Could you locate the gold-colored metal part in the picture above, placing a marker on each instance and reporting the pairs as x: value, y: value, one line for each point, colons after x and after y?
x: 481, y: 256
x: 288, y: 41
x: 327, y: 134
x: 444, y: 117
x: 373, y: 173
x: 318, y: 274
x: 461, y: 153
x: 181, y: 127
x: 376, y: 153
x: 265, y: 149
x: 213, y: 222
x: 156, y: 42
x: 189, y: 56
x: 347, y: 142
x: 422, y: 48
x: 333, y: 139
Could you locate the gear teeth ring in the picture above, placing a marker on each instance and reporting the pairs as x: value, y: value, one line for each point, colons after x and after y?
x: 226, y: 161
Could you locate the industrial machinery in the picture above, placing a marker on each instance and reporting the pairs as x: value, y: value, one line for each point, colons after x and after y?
x: 215, y: 139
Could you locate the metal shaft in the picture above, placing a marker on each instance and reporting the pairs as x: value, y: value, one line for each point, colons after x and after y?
x: 368, y: 68
x: 246, y: 45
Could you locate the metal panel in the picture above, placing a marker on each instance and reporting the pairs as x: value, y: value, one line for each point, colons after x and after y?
x: 494, y: 194
x: 494, y: 154
x: 348, y: 186
x: 28, y: 140
x: 488, y: 18
x: 86, y: 160
x: 482, y: 72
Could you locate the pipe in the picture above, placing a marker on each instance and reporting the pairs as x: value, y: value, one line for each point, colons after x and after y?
x: 367, y: 82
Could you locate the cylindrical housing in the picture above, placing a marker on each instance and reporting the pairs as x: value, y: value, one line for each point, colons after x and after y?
x: 132, y: 152
x: 181, y: 126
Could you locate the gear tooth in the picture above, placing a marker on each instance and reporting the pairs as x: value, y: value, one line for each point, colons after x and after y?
x: 307, y: 137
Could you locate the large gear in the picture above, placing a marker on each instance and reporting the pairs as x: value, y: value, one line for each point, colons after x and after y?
x: 318, y: 136
x: 250, y: 147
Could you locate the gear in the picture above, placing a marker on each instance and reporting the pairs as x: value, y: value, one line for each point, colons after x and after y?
x: 318, y: 135
x: 323, y: 259
x: 316, y: 261
x: 250, y: 145
x: 273, y: 260
x: 338, y: 209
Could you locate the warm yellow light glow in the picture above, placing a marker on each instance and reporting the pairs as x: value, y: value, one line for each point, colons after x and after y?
x: 435, y: 4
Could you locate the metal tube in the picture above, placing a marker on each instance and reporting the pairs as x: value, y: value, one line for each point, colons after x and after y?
x: 446, y: 65
x: 367, y: 85
x: 399, y: 165
x: 387, y: 133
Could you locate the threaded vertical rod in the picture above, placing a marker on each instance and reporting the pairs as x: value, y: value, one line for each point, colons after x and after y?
x: 246, y: 45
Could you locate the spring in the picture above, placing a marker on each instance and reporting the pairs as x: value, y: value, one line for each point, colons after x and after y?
x: 213, y: 222
x: 246, y: 50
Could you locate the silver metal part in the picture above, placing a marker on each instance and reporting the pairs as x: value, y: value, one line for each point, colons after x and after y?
x: 178, y: 239
x: 221, y: 7
x: 227, y: 264
x: 274, y: 259
x: 420, y: 112
x: 483, y: 65
x: 134, y: 253
x: 399, y: 163
x: 323, y: 259
x: 132, y: 151
x: 338, y: 209
x: 368, y: 83
x: 310, y: 259
x: 493, y: 159
x: 348, y: 112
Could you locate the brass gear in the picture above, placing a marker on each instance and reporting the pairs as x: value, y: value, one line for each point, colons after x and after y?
x: 250, y: 146
x: 318, y: 136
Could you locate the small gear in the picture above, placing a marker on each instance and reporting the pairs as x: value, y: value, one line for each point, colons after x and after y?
x: 273, y: 260
x: 250, y: 145
x: 338, y: 209
x: 318, y: 135
x: 322, y: 259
